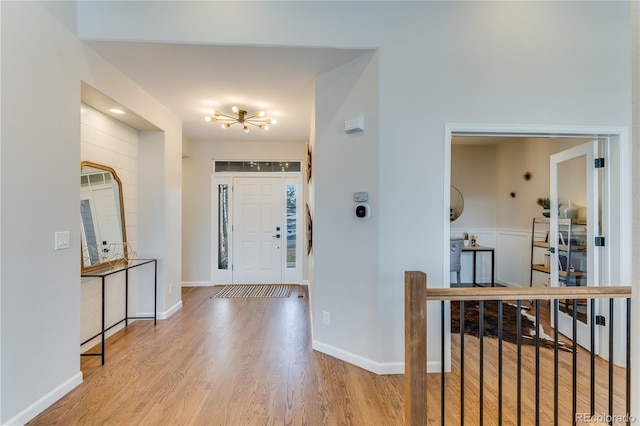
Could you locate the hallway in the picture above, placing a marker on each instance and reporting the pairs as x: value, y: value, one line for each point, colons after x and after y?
x: 226, y: 362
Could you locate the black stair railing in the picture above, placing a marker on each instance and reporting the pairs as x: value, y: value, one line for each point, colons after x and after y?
x: 416, y: 296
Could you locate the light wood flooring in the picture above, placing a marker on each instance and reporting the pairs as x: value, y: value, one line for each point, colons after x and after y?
x: 226, y: 362
x: 249, y: 362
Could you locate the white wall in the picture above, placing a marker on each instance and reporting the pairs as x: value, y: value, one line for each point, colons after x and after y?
x: 473, y: 172
x: 42, y: 67
x: 40, y: 311
x: 110, y: 143
x: 346, y: 282
x: 197, y: 169
x: 539, y: 63
x: 160, y: 155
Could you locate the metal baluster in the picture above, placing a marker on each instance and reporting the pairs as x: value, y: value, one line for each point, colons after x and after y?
x: 628, y: 372
x: 442, y: 362
x: 593, y: 356
x: 519, y: 363
x: 462, y: 362
x: 500, y: 307
x: 574, y: 385
x: 537, y: 362
x: 611, y: 360
x: 481, y: 337
x: 555, y: 363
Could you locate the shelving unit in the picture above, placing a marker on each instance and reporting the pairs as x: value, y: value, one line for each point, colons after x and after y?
x: 570, y: 244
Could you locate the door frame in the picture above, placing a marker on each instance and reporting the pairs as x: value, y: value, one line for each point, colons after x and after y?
x: 618, y: 154
x: 594, y: 255
x: 225, y: 276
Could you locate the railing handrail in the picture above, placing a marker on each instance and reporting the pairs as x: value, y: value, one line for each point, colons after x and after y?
x: 416, y: 295
x: 526, y: 293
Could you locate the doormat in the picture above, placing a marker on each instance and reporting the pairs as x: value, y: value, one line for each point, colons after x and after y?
x: 509, y: 323
x: 254, y: 290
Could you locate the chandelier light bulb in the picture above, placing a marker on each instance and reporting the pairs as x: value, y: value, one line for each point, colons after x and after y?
x: 241, y: 117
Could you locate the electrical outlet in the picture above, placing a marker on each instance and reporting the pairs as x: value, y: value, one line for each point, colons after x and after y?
x: 326, y: 318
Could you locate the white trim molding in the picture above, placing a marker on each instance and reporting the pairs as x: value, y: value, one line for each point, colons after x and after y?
x: 46, y: 401
x: 357, y: 360
x: 197, y: 284
x: 172, y: 310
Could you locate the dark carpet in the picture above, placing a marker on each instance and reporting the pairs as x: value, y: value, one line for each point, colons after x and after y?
x: 509, y: 323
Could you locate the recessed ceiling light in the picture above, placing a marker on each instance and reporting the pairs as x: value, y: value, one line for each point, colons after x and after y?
x: 116, y: 111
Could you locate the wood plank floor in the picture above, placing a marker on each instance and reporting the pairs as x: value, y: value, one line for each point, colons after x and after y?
x: 249, y: 362
x: 226, y: 362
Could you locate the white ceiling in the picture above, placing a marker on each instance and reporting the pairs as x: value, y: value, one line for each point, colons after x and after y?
x: 191, y: 79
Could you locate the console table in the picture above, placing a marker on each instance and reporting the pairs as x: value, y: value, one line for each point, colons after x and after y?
x: 475, y: 250
x: 103, y: 274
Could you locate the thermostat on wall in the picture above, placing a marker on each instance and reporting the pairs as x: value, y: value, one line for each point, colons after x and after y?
x: 362, y: 211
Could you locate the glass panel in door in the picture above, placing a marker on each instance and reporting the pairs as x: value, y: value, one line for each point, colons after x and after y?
x: 574, y: 215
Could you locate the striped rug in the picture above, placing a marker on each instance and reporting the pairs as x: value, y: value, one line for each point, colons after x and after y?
x: 254, y: 290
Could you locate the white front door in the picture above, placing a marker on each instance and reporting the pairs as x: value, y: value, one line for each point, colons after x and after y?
x: 575, y: 222
x: 257, y: 233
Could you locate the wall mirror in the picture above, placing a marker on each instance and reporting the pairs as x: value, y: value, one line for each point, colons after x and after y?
x: 456, y: 205
x: 104, y: 239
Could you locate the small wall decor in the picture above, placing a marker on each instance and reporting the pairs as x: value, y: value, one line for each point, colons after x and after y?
x: 309, y: 230
x: 308, y: 162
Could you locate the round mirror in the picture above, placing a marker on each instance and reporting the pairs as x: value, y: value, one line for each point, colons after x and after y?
x: 456, y: 204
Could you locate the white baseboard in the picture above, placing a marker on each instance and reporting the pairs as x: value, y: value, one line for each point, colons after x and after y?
x: 197, y: 284
x: 433, y: 367
x: 367, y: 364
x: 46, y: 401
x: 172, y: 310
x: 381, y: 368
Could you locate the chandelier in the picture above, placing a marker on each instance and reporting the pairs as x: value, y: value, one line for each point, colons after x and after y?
x: 258, y: 119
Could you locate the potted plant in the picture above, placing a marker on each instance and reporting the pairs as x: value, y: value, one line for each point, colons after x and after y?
x: 545, y: 203
x: 465, y: 237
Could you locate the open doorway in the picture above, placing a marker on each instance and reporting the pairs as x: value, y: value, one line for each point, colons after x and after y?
x: 501, y: 172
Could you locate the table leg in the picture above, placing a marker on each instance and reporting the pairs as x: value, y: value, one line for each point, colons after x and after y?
x: 474, y: 267
x: 155, y: 292
x: 493, y: 277
x: 126, y: 298
x: 103, y: 322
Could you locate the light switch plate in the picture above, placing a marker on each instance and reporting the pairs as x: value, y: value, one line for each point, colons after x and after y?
x: 62, y: 240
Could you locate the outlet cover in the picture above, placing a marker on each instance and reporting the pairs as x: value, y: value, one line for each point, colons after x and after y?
x: 326, y: 318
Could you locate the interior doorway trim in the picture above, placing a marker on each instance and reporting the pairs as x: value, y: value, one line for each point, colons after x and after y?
x: 620, y: 136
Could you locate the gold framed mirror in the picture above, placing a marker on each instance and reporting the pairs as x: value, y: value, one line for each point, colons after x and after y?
x: 104, y: 240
